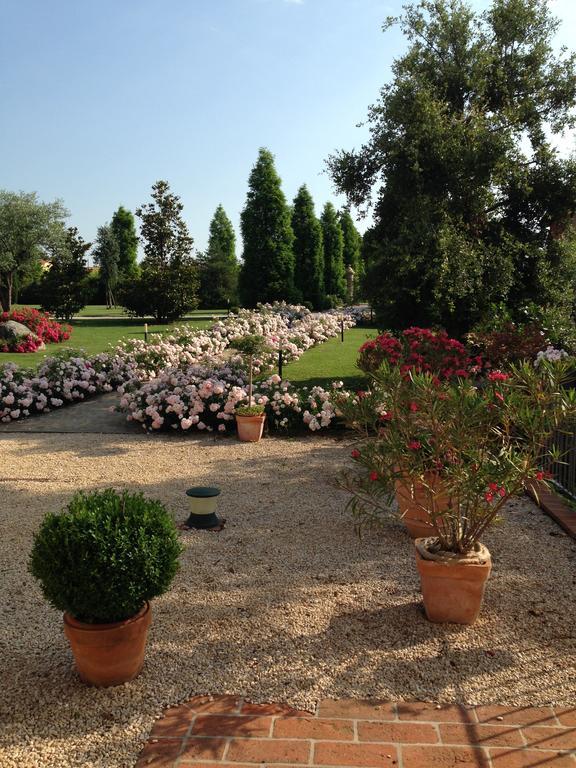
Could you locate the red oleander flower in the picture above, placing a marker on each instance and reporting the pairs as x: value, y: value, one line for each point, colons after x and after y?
x: 373, y: 476
x: 355, y: 454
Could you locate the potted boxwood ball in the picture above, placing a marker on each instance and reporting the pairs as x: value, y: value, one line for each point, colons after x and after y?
x: 250, y: 418
x: 101, y: 560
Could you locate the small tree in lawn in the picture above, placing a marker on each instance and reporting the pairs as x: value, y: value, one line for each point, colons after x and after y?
x: 218, y: 267
x: 124, y: 230
x: 308, y: 249
x: 267, y: 273
x: 63, y: 285
x: 106, y: 255
x: 167, y: 285
x: 334, y: 275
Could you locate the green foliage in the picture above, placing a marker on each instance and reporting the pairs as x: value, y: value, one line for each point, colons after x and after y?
x: 218, y: 267
x: 250, y: 410
x: 472, y: 202
x: 124, y: 231
x: 308, y: 250
x: 63, y: 286
x: 104, y: 555
x: 475, y: 445
x: 250, y: 345
x: 267, y: 272
x: 107, y: 255
x: 334, y: 277
x: 167, y: 285
x: 27, y: 226
x: 352, y: 253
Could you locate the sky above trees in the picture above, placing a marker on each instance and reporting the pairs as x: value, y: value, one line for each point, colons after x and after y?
x: 101, y: 99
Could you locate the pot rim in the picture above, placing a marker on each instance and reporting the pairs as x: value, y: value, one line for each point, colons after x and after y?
x: 76, y: 624
x: 480, y: 555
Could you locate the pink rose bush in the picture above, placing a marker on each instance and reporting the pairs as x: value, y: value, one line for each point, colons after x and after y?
x: 59, y: 380
x: 205, y: 399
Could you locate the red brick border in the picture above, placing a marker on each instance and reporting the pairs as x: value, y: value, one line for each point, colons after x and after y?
x: 227, y: 732
x: 554, y: 506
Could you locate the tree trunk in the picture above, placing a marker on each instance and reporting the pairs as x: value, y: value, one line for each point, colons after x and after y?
x: 6, y: 294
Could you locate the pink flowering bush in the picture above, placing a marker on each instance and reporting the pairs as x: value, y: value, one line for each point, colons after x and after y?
x: 205, y: 399
x: 44, y: 328
x: 419, y: 350
x: 59, y: 380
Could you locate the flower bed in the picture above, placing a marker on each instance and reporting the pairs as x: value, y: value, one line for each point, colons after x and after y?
x: 178, y: 365
x: 45, y: 330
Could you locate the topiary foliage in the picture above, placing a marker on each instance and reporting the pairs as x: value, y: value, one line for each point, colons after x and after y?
x: 105, y: 555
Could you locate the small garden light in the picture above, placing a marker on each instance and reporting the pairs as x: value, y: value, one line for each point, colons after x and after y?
x: 203, y: 500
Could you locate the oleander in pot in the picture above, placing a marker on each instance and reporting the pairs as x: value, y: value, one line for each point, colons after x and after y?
x: 101, y: 560
x: 485, y: 443
x: 250, y: 418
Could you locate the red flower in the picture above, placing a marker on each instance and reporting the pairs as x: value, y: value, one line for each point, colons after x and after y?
x: 373, y: 476
x: 498, y: 376
x: 355, y: 454
x: 488, y: 496
x: 414, y: 445
x: 502, y: 492
x: 414, y: 407
x: 386, y: 416
x: 493, y: 486
x: 499, y: 396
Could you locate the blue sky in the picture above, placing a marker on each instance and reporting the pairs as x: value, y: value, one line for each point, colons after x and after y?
x: 101, y: 98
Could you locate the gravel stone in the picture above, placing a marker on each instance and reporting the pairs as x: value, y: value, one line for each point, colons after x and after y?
x: 286, y: 604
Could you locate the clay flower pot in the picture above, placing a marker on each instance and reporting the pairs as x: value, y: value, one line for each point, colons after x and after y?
x: 452, y: 585
x: 109, y: 654
x: 250, y: 428
x: 415, y: 500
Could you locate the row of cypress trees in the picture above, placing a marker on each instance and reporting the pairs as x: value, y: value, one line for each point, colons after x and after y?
x: 288, y: 253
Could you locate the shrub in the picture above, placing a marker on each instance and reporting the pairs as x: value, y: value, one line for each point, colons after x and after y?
x: 250, y: 410
x: 105, y: 555
x: 45, y: 329
x: 419, y: 350
x: 510, y: 343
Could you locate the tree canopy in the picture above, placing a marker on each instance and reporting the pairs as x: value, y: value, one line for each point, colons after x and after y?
x: 27, y: 228
x: 334, y: 275
x: 470, y: 198
x: 218, y: 267
x: 107, y: 256
x: 63, y: 285
x: 267, y: 272
x: 308, y: 250
x: 167, y: 285
x: 124, y: 230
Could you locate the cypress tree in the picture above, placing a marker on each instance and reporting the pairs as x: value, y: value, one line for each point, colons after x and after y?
x: 352, y: 247
x: 308, y: 250
x: 106, y: 255
x: 334, y: 276
x: 218, y: 266
x: 267, y: 273
x: 124, y: 230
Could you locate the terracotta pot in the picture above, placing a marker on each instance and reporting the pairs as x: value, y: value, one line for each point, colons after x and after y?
x: 415, y: 501
x: 109, y: 654
x: 452, y: 585
x: 250, y: 428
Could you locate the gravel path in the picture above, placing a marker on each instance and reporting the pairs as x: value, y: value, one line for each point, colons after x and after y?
x: 285, y: 605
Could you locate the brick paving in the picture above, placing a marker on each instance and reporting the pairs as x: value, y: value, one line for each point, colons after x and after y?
x: 227, y: 732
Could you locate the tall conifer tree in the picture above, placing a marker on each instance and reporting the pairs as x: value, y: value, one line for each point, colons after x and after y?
x: 267, y: 273
x: 218, y: 267
x: 352, y: 246
x: 334, y: 276
x: 308, y: 249
x: 124, y: 230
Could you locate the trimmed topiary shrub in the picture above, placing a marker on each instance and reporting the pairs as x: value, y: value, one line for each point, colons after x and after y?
x: 105, y: 555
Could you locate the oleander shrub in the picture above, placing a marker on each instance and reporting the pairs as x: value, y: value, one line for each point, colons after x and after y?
x: 105, y: 555
x: 44, y: 328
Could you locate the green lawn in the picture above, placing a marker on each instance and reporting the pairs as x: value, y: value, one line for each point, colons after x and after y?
x: 333, y: 361
x: 94, y: 336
